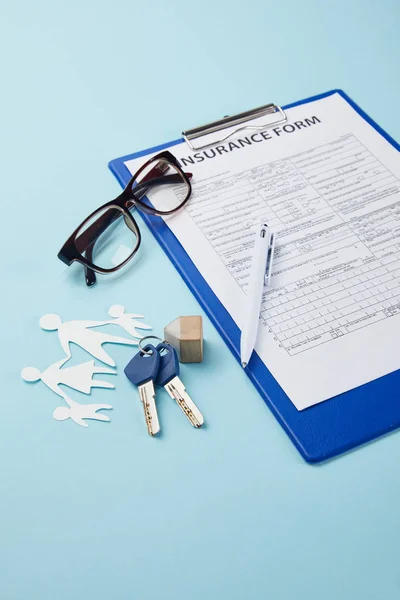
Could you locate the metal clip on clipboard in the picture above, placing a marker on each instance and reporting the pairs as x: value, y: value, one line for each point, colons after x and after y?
x: 239, y: 121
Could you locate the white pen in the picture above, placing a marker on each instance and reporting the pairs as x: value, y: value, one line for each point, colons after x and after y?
x: 260, y: 275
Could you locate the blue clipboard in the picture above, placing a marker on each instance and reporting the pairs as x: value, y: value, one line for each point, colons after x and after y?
x: 321, y: 431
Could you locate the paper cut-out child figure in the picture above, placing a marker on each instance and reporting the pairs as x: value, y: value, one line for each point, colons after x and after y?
x: 77, y: 412
x: 127, y: 320
x: 79, y: 377
x: 79, y: 332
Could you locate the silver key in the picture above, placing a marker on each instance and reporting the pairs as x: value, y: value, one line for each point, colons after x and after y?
x: 147, y: 395
x: 177, y: 391
x: 141, y: 371
x: 168, y: 377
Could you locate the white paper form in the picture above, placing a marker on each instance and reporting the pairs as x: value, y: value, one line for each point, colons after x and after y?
x: 329, y: 185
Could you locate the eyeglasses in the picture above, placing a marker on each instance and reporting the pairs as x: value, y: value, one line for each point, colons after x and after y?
x: 109, y: 237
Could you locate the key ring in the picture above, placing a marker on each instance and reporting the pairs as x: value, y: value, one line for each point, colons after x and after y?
x: 148, y: 337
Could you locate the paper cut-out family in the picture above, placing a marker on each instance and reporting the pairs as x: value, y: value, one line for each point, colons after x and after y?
x: 80, y: 377
x: 78, y: 412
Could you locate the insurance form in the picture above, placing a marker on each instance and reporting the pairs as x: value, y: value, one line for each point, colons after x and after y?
x: 328, y: 185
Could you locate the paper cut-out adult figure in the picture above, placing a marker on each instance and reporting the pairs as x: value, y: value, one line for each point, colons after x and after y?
x: 79, y: 377
x: 77, y: 412
x: 127, y: 320
x: 80, y: 333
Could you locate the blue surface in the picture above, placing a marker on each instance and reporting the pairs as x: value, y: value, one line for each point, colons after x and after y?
x: 325, y: 430
x: 231, y: 511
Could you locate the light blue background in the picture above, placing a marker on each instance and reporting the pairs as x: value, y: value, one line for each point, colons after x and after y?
x: 231, y: 511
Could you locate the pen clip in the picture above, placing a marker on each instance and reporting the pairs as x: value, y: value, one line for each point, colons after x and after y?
x: 270, y: 260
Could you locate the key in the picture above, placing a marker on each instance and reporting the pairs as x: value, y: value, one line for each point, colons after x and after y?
x: 168, y: 377
x: 141, y: 371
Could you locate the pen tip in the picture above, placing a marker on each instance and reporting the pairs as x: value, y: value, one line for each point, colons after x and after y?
x: 244, y: 365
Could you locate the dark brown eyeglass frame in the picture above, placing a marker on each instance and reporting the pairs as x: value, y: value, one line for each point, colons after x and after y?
x: 74, y: 248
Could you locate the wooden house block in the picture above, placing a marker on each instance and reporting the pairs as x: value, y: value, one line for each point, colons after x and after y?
x: 185, y: 334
